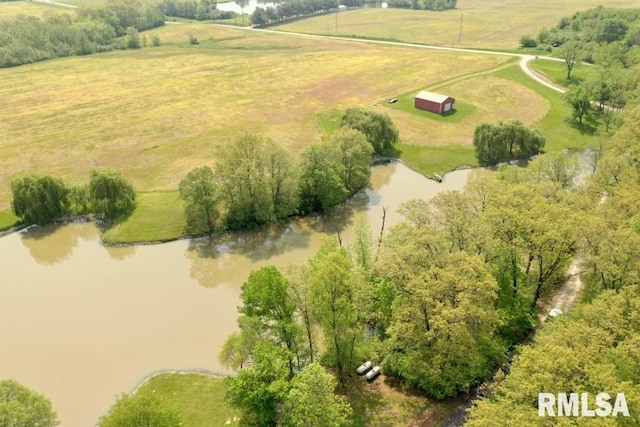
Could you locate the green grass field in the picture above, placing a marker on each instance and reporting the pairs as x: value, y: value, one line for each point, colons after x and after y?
x: 496, y: 24
x: 158, y: 112
x: 199, y: 399
x: 556, y: 72
x: 11, y: 9
x: 158, y: 216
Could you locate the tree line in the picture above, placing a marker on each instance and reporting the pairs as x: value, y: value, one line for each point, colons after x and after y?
x: 607, y: 38
x: 439, y: 301
x: 256, y: 181
x: 594, y: 348
x: 424, y: 4
x: 114, y: 26
x: 40, y: 199
x: 192, y: 9
x: 290, y: 9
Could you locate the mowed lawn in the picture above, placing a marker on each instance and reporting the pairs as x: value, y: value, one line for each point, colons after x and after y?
x: 158, y: 112
x: 8, y: 220
x: 199, y: 399
x: 158, y: 216
x: 556, y: 72
x: 497, y: 24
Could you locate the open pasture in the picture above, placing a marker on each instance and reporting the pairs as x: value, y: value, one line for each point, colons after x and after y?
x: 12, y: 9
x: 496, y: 24
x: 480, y: 99
x: 158, y: 112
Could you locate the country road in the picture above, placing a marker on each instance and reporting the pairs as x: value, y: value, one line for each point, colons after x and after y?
x: 524, y: 58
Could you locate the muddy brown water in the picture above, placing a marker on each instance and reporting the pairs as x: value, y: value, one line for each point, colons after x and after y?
x: 81, y: 322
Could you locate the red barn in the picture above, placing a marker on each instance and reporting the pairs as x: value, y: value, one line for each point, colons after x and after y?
x: 434, y: 102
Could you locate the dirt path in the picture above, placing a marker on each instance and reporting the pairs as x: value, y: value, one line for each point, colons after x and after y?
x: 568, y: 294
x: 524, y: 65
x: 524, y: 58
x: 56, y: 3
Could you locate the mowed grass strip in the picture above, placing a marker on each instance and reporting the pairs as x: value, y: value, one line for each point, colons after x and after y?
x: 441, y: 159
x: 497, y: 24
x: 158, y: 112
x: 8, y: 220
x: 199, y: 399
x: 159, y: 216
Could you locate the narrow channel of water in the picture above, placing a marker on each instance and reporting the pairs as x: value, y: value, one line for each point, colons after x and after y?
x: 80, y: 322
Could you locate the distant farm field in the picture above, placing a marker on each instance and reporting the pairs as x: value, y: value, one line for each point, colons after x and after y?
x: 485, y: 23
x: 158, y: 112
x: 11, y: 9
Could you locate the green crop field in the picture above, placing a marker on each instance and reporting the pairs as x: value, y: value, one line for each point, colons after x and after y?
x: 485, y: 23
x: 156, y: 113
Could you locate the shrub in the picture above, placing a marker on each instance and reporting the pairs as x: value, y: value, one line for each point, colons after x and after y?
x: 528, y: 41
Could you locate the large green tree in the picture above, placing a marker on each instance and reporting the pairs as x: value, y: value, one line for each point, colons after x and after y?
x: 442, y: 333
x: 378, y: 128
x: 579, y: 98
x: 339, y: 299
x: 38, y: 199
x: 312, y: 402
x: 496, y: 143
x: 353, y: 152
x: 265, y: 297
x: 260, y: 389
x: 258, y: 179
x: 110, y: 194
x: 321, y: 179
x: 570, y: 52
x: 200, y: 194
x: 22, y: 407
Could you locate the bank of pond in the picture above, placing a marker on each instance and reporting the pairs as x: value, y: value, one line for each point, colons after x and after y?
x: 109, y: 315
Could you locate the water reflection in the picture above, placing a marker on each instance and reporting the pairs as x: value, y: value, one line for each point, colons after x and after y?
x: 55, y: 243
x: 48, y: 246
x: 120, y: 253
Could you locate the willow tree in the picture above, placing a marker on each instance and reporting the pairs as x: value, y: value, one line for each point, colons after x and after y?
x: 110, y: 194
x: 38, y: 199
x: 378, y: 128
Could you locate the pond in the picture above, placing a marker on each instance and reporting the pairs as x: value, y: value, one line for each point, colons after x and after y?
x: 81, y: 322
x: 249, y: 7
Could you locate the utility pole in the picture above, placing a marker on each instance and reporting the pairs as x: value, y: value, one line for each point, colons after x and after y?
x: 337, y: 10
x: 460, y: 34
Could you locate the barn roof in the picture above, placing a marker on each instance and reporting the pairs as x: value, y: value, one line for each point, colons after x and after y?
x: 433, y: 97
